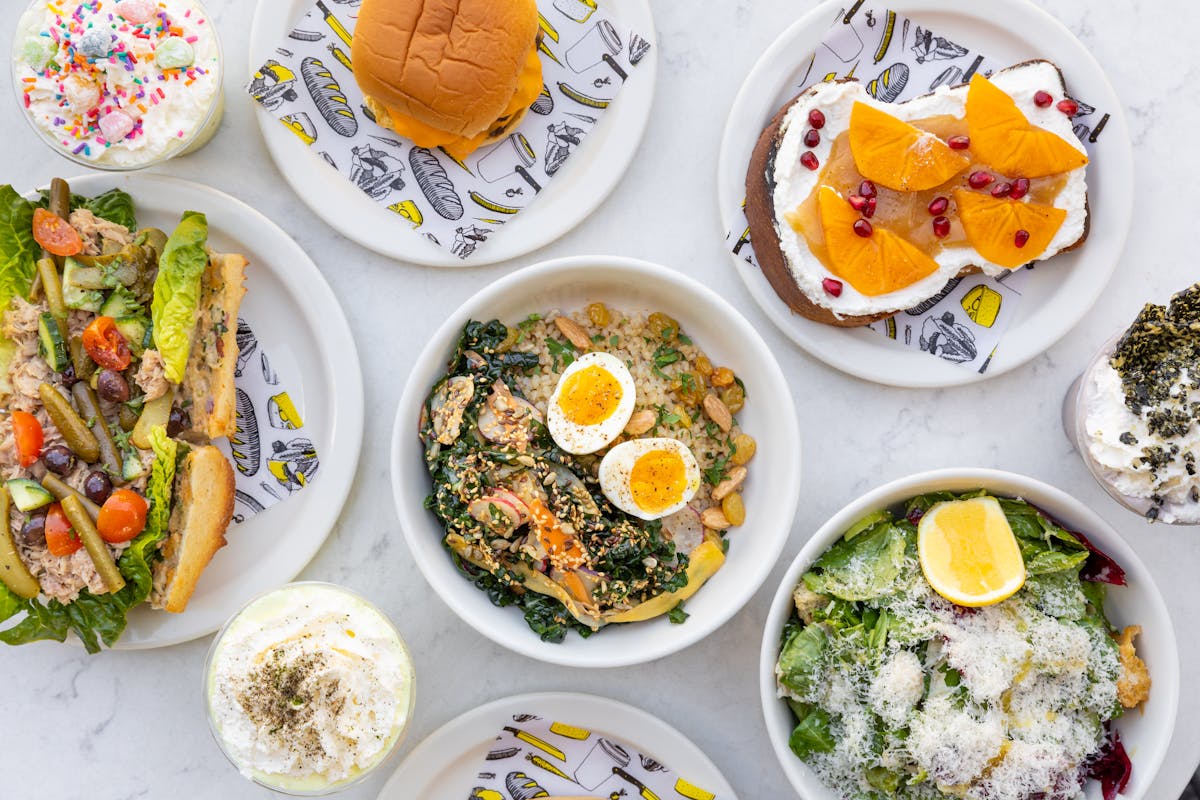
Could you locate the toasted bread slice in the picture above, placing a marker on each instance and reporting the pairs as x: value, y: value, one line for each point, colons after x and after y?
x: 207, y: 387
x: 202, y: 507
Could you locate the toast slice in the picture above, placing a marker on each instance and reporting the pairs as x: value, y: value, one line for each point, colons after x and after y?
x: 202, y: 506
x: 207, y: 389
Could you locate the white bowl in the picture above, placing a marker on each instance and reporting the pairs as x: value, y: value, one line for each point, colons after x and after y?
x: 1145, y: 734
x: 771, y: 493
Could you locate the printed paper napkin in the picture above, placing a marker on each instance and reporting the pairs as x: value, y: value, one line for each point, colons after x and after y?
x: 535, y: 757
x: 898, y: 59
x: 309, y: 86
x: 272, y: 457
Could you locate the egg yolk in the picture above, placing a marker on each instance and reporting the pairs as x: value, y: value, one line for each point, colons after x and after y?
x: 589, y: 396
x: 657, y: 480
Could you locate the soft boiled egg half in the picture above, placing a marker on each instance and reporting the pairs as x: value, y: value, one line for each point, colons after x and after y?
x: 592, y: 403
x: 650, y: 478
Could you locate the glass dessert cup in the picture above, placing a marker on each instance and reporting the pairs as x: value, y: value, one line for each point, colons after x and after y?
x: 284, y: 784
x: 1074, y: 419
x: 200, y: 135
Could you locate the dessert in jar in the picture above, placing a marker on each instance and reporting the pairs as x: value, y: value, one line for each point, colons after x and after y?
x: 119, y: 85
x: 309, y: 688
x: 1134, y: 414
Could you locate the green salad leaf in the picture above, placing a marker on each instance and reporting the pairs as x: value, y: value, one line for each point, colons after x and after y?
x: 861, y: 568
x: 800, y: 659
x: 177, y: 292
x: 812, y: 733
x: 18, y: 249
x: 114, y: 206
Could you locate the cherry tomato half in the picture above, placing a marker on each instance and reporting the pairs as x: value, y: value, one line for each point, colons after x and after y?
x: 27, y: 432
x: 122, y: 517
x: 105, y: 344
x: 61, y: 538
x: 55, y: 234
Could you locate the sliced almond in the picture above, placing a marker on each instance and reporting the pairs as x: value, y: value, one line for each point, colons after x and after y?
x: 640, y: 422
x: 714, y: 519
x: 574, y: 332
x: 718, y: 412
x: 732, y: 482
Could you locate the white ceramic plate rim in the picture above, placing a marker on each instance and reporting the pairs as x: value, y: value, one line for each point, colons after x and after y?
x: 425, y: 764
x: 859, y: 352
x: 339, y: 358
x: 1166, y: 675
x: 581, y: 186
x: 434, y: 563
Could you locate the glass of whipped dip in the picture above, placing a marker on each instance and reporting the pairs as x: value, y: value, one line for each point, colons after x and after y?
x: 309, y: 688
x: 1144, y: 458
x: 119, y: 84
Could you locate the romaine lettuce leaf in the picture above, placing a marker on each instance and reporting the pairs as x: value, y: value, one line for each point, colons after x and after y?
x: 177, y: 292
x: 18, y: 250
x: 113, y: 205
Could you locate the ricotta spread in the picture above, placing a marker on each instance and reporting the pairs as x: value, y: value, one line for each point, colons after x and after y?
x: 795, y: 182
x: 118, y: 84
x: 309, y: 687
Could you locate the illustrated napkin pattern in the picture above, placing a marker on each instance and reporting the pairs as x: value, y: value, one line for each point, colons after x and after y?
x: 898, y: 59
x: 309, y: 86
x: 535, y: 757
x: 272, y: 457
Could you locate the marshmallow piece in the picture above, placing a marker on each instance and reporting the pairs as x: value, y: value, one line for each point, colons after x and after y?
x: 136, y: 11
x: 116, y: 125
x: 174, y: 53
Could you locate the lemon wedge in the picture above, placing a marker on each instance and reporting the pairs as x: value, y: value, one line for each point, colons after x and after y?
x: 969, y: 553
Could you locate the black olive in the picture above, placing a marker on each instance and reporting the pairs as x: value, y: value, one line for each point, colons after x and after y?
x: 33, y: 532
x: 178, y: 422
x: 97, y: 486
x: 112, y: 386
x: 58, y: 459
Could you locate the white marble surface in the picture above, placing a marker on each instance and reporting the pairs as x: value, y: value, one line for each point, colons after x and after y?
x: 130, y: 725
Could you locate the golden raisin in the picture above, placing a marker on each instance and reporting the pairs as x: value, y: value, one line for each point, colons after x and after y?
x: 734, y: 398
x: 704, y: 366
x: 744, y: 447
x: 734, y: 509
x: 722, y: 376
x: 689, y: 388
x: 663, y: 327
x: 509, y: 340
x: 599, y: 315
x: 685, y: 419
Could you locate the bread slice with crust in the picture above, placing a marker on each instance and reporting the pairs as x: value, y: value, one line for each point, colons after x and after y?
x: 201, y: 508
x: 207, y: 390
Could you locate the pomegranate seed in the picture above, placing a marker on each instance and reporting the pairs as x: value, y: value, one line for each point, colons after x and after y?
x: 863, y: 228
x: 816, y: 119
x: 1068, y: 107
x: 857, y: 202
x: 867, y: 189
x: 959, y: 142
x: 1042, y: 99
x: 832, y: 288
x: 941, y: 227
x: 1020, y: 188
x: 938, y: 205
x: 809, y: 160
x: 812, y: 138
x: 869, y: 211
x: 980, y: 179
x: 1021, y: 238
x: 1002, y: 189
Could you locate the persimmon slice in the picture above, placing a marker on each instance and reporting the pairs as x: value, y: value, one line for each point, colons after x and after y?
x: 874, y: 265
x: 1004, y: 139
x: 897, y: 155
x: 993, y: 224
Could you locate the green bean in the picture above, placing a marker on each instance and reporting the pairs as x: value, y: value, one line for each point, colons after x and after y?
x: 53, y: 286
x: 89, y: 408
x: 80, y: 360
x: 59, y: 206
x: 97, y: 549
x: 61, y: 489
x: 13, y: 572
x: 72, y: 427
x: 154, y: 413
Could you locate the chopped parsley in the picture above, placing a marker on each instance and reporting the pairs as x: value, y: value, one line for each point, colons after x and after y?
x: 677, y: 615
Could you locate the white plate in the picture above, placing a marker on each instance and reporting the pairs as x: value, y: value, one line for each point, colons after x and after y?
x: 579, y: 188
x: 1146, y: 734
x: 771, y: 492
x: 1057, y: 296
x: 443, y: 766
x: 298, y: 318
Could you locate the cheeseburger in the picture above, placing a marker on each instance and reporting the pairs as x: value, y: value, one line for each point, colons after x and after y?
x: 455, y: 74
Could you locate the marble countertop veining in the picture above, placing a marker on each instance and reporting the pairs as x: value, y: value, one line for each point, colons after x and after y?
x: 129, y: 725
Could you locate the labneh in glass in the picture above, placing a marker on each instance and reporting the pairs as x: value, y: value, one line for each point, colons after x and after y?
x: 309, y: 688
x: 1134, y: 413
x: 119, y: 85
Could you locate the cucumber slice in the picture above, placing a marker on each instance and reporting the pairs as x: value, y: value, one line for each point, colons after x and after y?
x: 120, y: 303
x: 135, y: 330
x: 81, y: 286
x: 132, y: 468
x: 51, y: 346
x: 28, y: 495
